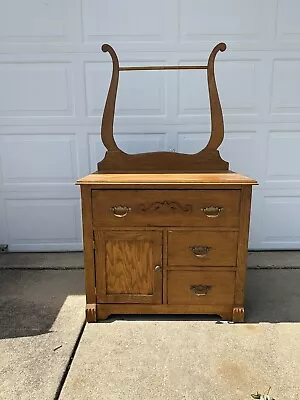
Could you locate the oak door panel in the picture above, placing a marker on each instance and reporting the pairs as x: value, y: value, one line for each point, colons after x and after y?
x: 128, y: 266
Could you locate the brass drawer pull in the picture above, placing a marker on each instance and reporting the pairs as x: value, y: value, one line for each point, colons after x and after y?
x: 212, y: 211
x: 200, y: 251
x: 200, y: 290
x: 120, y: 211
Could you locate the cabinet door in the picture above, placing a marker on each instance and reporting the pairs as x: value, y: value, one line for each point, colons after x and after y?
x: 128, y: 266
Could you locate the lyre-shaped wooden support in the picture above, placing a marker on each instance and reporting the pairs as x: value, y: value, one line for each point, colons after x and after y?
x: 206, y: 160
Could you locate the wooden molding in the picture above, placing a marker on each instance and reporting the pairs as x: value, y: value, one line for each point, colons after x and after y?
x: 105, y: 310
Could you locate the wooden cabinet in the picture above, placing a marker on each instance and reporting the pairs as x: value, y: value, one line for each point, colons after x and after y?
x: 180, y: 247
x: 165, y: 232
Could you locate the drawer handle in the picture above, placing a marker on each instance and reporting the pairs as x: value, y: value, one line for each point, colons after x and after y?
x: 200, y: 251
x: 200, y: 290
x: 120, y: 211
x: 212, y: 211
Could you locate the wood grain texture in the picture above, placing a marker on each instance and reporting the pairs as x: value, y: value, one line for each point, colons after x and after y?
x: 199, y: 268
x: 165, y: 264
x: 178, y: 228
x: 165, y: 207
x: 242, y: 252
x: 221, y: 179
x: 206, y: 160
x: 104, y: 310
x: 126, y: 264
x: 166, y: 186
x: 107, y: 126
x: 220, y: 284
x: 217, y: 124
x: 127, y: 267
x: 88, y: 251
x: 222, y: 248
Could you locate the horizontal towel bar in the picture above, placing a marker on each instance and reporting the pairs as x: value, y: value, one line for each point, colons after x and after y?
x: 163, y: 67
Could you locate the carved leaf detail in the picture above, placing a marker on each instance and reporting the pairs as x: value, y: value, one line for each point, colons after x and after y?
x: 165, y: 206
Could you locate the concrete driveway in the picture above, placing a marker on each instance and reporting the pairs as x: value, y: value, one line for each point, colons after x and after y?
x: 45, y: 353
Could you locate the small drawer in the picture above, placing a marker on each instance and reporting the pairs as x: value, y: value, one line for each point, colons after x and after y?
x: 203, y: 287
x: 208, y: 208
x: 202, y: 248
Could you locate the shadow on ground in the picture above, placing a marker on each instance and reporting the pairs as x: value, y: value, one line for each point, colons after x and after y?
x: 31, y: 300
x: 273, y: 295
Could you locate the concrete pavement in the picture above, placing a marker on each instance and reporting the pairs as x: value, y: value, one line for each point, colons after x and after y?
x: 128, y: 357
x: 41, y: 315
x: 183, y: 357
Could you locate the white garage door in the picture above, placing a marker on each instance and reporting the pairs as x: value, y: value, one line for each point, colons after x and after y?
x: 54, y: 79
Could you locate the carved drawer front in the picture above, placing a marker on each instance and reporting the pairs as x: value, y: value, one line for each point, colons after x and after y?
x: 206, y: 208
x: 202, y: 248
x: 207, y: 288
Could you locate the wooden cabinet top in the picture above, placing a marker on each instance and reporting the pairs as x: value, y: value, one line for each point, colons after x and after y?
x: 227, y: 178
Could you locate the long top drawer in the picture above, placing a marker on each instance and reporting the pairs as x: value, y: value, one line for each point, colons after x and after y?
x: 206, y: 208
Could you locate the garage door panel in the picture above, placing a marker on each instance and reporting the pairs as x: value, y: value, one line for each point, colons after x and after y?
x: 281, y: 220
x: 48, y: 22
x: 147, y: 93
x: 36, y: 89
x: 192, y: 142
x: 283, y: 163
x: 287, y: 23
x: 236, y: 81
x: 256, y: 224
x: 120, y: 21
x: 43, y: 222
x: 243, y: 151
x: 286, y: 87
x: 141, y: 142
x: 39, y: 158
x: 212, y: 20
x: 239, y: 147
x: 3, y: 222
x: 96, y: 150
x: 139, y: 95
x: 192, y: 90
x: 97, y: 79
x: 54, y: 81
x: 131, y: 143
x: 239, y: 84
